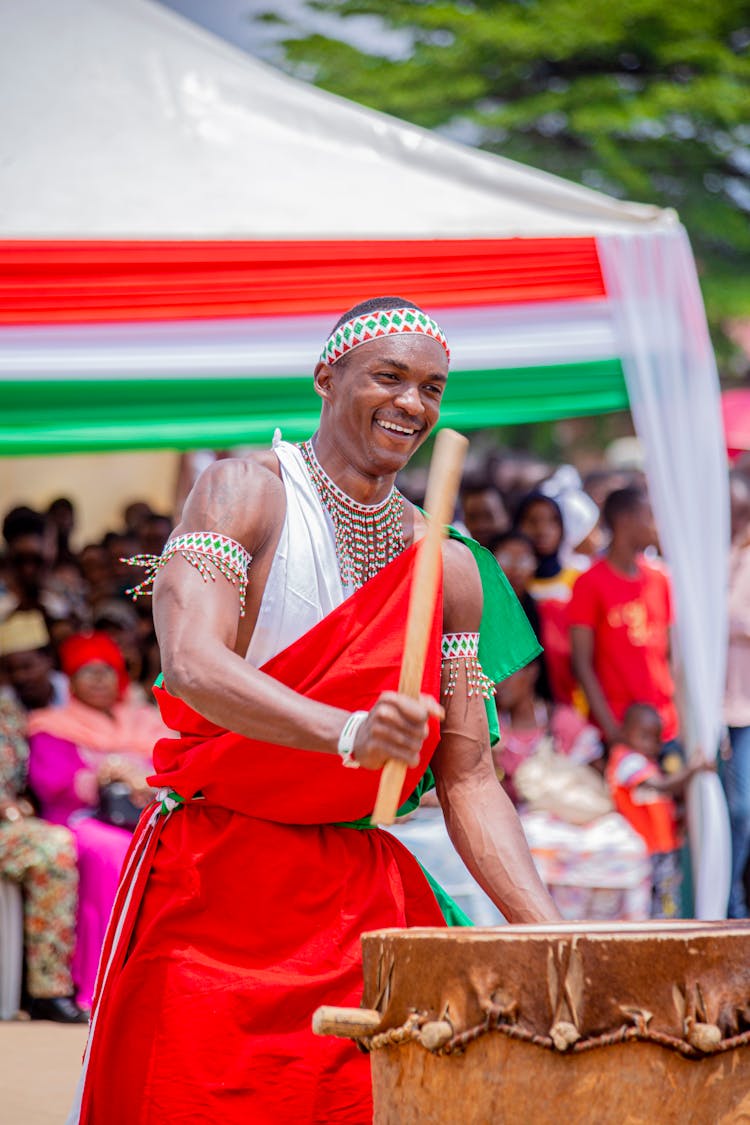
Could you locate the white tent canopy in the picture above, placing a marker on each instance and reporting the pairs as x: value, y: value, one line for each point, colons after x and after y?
x: 122, y: 119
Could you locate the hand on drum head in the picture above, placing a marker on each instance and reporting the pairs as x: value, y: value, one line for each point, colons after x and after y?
x: 395, y: 728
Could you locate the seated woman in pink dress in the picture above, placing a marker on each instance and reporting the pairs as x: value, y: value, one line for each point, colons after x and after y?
x: 95, y: 739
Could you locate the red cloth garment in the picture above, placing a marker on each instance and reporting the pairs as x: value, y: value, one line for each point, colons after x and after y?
x: 630, y: 618
x: 249, y: 905
x: 54, y: 281
x: 651, y: 813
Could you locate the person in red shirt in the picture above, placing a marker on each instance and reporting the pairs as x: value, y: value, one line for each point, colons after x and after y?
x: 620, y: 617
x: 644, y: 795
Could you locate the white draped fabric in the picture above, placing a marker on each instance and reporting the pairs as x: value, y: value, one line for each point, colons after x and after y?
x: 122, y: 119
x: 481, y: 338
x: 674, y: 396
x: 304, y: 582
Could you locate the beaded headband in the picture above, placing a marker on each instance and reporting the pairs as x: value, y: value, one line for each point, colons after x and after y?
x: 375, y: 325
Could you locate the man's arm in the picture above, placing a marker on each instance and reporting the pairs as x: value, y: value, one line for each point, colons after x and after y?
x: 201, y: 642
x: 481, y: 820
x: 582, y: 658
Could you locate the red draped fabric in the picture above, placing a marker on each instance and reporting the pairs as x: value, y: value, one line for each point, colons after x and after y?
x: 50, y: 282
x: 250, y: 904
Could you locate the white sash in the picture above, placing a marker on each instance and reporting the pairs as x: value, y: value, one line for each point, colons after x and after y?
x: 304, y: 583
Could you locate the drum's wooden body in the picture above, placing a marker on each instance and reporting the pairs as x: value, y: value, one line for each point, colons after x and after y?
x: 570, y: 1023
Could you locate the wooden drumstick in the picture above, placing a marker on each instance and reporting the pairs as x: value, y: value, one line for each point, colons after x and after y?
x: 347, y: 1023
x: 442, y: 488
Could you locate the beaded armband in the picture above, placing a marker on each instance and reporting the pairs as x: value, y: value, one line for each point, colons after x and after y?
x: 463, y: 648
x: 204, y: 550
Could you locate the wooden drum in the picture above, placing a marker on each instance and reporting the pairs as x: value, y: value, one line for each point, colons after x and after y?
x: 644, y: 1023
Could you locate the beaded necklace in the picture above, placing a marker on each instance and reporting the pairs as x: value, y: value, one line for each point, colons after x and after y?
x: 368, y: 536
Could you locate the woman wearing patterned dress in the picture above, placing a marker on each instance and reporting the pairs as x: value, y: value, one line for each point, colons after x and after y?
x: 41, y: 858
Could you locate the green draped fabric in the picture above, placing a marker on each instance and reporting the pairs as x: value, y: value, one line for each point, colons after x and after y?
x: 78, y: 415
x: 506, y: 640
x: 451, y: 911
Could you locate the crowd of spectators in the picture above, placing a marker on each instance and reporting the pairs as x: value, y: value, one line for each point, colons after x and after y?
x: 77, y: 661
x: 590, y: 749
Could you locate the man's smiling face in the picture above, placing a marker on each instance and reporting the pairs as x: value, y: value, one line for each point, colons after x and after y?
x: 382, y: 400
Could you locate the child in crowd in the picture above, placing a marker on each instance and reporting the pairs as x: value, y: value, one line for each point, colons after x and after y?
x: 644, y: 795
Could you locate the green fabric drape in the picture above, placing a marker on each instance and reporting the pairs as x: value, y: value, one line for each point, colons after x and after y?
x: 43, y: 416
x: 506, y: 640
x: 451, y: 911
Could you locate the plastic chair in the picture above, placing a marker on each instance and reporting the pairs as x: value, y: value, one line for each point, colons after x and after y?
x: 11, y: 948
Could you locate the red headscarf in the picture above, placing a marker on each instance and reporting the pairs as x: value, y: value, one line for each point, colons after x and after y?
x: 90, y: 648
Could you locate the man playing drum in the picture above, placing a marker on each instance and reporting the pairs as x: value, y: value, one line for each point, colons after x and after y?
x: 251, y: 881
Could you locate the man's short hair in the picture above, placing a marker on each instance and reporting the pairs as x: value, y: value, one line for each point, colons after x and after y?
x: 622, y: 502
x: 373, y: 305
x: 513, y: 536
x: 22, y: 521
x: 61, y: 504
x: 477, y: 482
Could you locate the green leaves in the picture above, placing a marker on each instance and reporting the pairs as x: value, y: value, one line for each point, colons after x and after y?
x: 637, y: 97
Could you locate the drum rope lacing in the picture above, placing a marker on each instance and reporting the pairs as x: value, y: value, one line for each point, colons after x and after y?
x: 563, y: 1038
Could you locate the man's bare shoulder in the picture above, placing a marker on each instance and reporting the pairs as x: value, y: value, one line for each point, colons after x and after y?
x: 463, y: 598
x: 242, y: 497
x: 218, y: 484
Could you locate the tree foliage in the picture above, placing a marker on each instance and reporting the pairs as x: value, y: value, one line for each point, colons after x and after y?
x: 642, y: 99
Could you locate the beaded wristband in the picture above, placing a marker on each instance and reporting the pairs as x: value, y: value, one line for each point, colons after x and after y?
x: 348, y: 734
x: 463, y: 648
x: 199, y: 548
